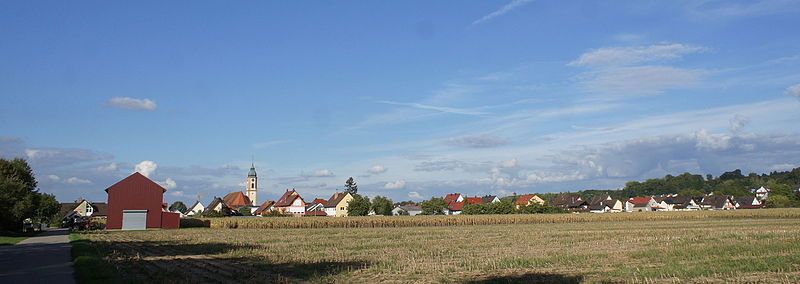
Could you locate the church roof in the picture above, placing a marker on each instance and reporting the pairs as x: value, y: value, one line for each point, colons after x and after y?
x: 236, y: 199
x: 252, y: 172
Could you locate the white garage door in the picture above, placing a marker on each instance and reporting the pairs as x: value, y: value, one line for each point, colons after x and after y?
x: 134, y: 219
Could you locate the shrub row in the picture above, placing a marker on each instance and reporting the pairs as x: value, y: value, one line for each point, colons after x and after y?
x: 458, y: 220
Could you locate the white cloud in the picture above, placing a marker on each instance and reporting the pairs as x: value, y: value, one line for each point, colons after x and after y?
x: 713, y: 142
x: 414, y: 195
x: 639, y: 80
x: 513, y: 163
x: 108, y: 168
x: 514, y: 4
x: 450, y: 110
x: 547, y: 177
x: 377, y: 169
x: 629, y: 55
x: 323, y: 173
x: 782, y: 167
x: 477, y: 141
x: 75, y: 180
x: 132, y: 103
x: 146, y: 167
x: 169, y: 184
x: 53, y: 178
x: 395, y: 184
x: 794, y: 91
x: 738, y: 122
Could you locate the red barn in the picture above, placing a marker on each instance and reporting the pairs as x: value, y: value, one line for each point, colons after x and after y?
x: 137, y: 203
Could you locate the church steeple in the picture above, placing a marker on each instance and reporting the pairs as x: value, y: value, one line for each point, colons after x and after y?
x: 252, y: 185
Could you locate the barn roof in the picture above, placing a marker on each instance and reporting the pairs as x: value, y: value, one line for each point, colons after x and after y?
x: 264, y: 206
x: 473, y: 200
x: 640, y: 201
x: 136, y: 179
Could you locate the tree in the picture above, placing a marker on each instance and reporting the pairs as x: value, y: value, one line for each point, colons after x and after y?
x: 244, y: 211
x: 690, y: 192
x: 502, y: 207
x: 351, y: 186
x: 18, y: 194
x: 778, y: 201
x: 48, y: 208
x: 178, y: 206
x: 382, y: 206
x: 434, y: 206
x: 358, y: 206
x: 474, y: 209
x: 736, y: 174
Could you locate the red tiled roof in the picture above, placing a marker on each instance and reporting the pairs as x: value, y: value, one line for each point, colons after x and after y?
x: 524, y: 199
x: 320, y: 201
x: 236, y: 199
x: 473, y: 200
x: 288, y: 198
x: 316, y: 213
x: 452, y: 197
x: 455, y: 206
x: 640, y: 201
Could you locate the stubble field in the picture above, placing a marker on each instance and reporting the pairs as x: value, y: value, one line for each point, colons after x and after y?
x: 678, y: 250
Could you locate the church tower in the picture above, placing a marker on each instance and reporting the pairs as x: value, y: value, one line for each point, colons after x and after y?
x: 252, y: 186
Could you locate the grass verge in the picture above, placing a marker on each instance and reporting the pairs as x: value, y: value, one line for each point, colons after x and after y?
x: 11, y: 238
x: 90, y: 267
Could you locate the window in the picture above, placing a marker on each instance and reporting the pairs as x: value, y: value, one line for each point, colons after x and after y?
x: 341, y: 208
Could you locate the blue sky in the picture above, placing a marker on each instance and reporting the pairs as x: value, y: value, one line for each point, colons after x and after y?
x: 415, y: 98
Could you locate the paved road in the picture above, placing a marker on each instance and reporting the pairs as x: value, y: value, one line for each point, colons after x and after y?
x: 44, y: 258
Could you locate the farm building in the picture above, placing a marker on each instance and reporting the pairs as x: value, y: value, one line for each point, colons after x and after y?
x: 748, y: 202
x: 137, y: 203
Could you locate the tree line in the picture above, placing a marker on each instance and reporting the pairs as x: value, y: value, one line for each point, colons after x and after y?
x: 20, y: 199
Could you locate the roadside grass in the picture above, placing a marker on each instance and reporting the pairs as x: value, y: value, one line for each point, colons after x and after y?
x: 87, y: 259
x: 11, y: 238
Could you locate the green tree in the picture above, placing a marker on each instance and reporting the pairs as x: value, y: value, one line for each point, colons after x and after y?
x: 18, y: 194
x: 539, y: 209
x: 48, y: 208
x: 179, y: 206
x: 245, y: 211
x: 359, y: 206
x: 690, y: 192
x: 351, y: 186
x: 474, y: 209
x: 382, y: 206
x: 434, y: 206
x: 502, y: 207
x: 778, y: 201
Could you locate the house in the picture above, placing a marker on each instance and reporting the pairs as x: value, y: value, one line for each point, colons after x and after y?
x: 312, y: 207
x: 265, y: 208
x: 662, y: 204
x: 528, y: 200
x: 454, y: 208
x: 578, y: 206
x: 748, y: 202
x: 762, y: 193
x: 337, y: 205
x: 83, y: 208
x: 410, y: 210
x: 137, y: 203
x: 640, y: 204
x: 565, y: 200
x: 291, y: 203
x: 236, y: 200
x: 604, y: 203
x: 217, y: 205
x: 455, y: 203
x: 490, y: 199
x: 718, y: 202
x: 196, y: 209
x: 682, y: 203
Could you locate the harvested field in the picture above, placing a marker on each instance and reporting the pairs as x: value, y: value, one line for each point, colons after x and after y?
x: 460, y: 220
x: 714, y: 250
